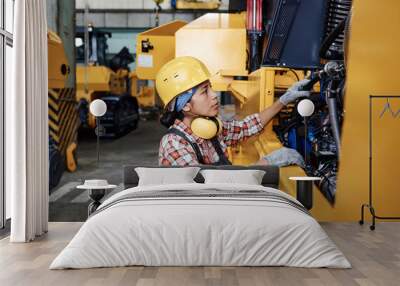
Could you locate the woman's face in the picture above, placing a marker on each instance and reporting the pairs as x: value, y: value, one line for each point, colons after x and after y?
x: 204, y: 102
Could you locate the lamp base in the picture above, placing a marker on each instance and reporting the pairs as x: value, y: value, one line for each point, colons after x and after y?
x: 304, y: 193
x: 95, y: 195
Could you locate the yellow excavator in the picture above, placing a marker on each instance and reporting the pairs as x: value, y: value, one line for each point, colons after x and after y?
x: 109, y: 79
x: 351, y: 138
x: 63, y: 115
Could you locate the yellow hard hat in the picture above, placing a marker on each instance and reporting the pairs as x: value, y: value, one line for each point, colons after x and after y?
x: 179, y: 75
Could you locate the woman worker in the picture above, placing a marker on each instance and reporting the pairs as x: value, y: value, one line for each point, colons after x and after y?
x: 195, y: 135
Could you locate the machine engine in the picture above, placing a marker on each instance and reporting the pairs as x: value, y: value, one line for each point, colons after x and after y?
x: 321, y: 143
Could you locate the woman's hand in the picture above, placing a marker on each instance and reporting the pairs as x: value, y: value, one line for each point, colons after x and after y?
x: 282, y: 157
x: 295, y: 92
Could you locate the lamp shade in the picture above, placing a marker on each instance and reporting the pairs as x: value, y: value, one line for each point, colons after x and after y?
x: 305, y: 107
x: 98, y: 107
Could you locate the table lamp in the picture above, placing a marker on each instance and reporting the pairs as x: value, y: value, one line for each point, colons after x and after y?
x: 305, y: 108
x: 98, y: 108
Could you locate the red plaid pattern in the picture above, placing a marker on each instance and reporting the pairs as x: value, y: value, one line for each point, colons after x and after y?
x: 176, y: 151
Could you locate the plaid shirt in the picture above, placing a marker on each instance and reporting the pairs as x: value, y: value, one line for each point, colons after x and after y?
x: 175, y: 150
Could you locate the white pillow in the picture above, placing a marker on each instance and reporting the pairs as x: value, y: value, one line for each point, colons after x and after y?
x: 249, y: 177
x: 166, y: 176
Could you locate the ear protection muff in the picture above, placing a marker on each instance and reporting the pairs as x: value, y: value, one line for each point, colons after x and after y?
x: 206, y: 127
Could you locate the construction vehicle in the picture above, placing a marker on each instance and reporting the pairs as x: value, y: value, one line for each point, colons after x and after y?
x: 101, y: 77
x: 278, y: 42
x: 63, y: 116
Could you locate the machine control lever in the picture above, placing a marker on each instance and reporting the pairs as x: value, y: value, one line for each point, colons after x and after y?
x: 330, y: 69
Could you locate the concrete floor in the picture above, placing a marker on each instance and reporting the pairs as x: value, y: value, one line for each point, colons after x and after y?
x: 138, y: 147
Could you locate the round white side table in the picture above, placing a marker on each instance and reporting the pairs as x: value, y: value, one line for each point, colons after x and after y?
x: 96, y: 191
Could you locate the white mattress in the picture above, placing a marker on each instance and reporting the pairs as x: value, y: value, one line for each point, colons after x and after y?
x: 200, y: 231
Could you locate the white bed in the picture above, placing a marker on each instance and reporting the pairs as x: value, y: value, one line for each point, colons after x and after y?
x: 185, y: 230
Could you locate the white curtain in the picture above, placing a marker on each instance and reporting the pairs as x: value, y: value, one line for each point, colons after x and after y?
x: 27, y: 124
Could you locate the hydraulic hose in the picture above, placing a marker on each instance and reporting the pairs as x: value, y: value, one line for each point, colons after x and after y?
x: 255, y: 32
x: 332, y: 107
x: 331, y: 37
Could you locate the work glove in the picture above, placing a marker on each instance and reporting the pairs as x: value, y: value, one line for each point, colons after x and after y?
x: 294, y: 92
x: 284, y: 157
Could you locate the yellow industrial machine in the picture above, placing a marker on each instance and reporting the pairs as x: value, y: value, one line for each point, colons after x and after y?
x: 144, y: 93
x: 225, y: 44
x: 197, y: 4
x: 96, y: 82
x: 154, y: 48
x: 63, y: 116
x: 106, y: 79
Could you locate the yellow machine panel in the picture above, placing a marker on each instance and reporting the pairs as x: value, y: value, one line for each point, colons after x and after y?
x: 63, y: 116
x: 193, y: 4
x: 118, y: 81
x: 144, y: 94
x: 254, y: 95
x: 63, y: 119
x: 93, y: 78
x: 154, y: 48
x: 371, y: 62
x: 58, y: 68
x: 219, y: 40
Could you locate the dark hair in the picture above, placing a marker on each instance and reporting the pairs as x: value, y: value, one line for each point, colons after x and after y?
x: 168, y: 117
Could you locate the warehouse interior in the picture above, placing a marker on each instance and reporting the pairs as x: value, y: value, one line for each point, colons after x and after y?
x: 295, y: 180
x: 119, y: 28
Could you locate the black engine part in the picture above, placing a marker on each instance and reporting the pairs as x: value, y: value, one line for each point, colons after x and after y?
x: 121, y: 117
x: 337, y: 18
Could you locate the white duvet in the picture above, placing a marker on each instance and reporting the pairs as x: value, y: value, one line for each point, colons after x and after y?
x: 200, y: 231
